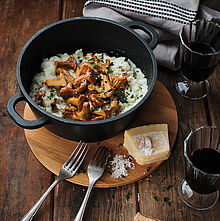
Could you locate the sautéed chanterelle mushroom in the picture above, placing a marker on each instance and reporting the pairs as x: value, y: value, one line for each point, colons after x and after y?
x: 88, y: 88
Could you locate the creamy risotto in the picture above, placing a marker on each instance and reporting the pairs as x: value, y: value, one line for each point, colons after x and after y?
x: 88, y: 87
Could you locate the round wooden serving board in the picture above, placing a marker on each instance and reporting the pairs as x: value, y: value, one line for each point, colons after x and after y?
x: 52, y: 151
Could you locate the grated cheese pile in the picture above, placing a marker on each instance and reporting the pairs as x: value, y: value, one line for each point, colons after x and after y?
x: 120, y: 164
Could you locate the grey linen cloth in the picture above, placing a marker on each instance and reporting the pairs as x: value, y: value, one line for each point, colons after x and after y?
x: 166, y: 17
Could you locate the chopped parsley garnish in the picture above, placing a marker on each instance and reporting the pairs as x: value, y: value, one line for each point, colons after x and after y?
x: 51, y: 90
x: 96, y: 205
x: 49, y: 97
x: 148, y: 169
x: 166, y: 199
x: 93, y: 65
x: 109, y: 71
x: 99, y: 99
x: 162, y: 188
x: 132, y: 96
x: 99, y: 77
x: 92, y: 109
x: 113, y: 192
x: 112, y: 63
x: 120, y: 145
x: 123, y: 99
x: 156, y: 198
x: 41, y: 187
x: 163, y: 179
x: 55, y: 99
x: 118, y: 91
x: 128, y: 194
x: 80, y: 59
x: 79, y: 171
x: 129, y: 158
x: 169, y: 186
x: 112, y: 97
x: 90, y: 59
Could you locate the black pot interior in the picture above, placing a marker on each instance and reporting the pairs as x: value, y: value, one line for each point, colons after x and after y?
x: 92, y: 35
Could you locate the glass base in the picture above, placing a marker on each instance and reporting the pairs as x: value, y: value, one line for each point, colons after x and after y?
x: 192, y: 90
x: 195, y: 200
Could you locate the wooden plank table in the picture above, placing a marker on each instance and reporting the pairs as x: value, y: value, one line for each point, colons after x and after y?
x: 23, y: 179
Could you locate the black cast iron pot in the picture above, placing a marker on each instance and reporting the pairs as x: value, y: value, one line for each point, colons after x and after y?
x: 92, y: 35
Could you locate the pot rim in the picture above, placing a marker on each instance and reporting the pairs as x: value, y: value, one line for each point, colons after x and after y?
x: 87, y: 123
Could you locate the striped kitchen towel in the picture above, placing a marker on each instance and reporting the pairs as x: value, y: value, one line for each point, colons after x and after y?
x: 166, y: 17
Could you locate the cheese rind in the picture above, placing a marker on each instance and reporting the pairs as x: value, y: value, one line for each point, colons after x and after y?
x: 148, y: 144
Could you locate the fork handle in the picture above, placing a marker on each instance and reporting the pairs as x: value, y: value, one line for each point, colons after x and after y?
x: 81, y: 211
x: 37, y: 205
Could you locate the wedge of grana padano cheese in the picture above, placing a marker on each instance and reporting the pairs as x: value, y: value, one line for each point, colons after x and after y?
x: 148, y: 144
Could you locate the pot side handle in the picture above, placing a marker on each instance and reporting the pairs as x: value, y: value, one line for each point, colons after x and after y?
x: 34, y: 124
x: 146, y: 28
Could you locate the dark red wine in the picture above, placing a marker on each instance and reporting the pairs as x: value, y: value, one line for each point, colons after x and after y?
x: 201, y: 47
x: 193, y: 66
x: 208, y: 161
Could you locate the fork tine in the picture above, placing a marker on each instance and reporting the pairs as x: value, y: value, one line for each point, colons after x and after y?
x: 96, y: 154
x: 100, y: 158
x: 104, y: 158
x: 107, y: 155
x: 76, y: 158
x: 76, y: 165
x: 68, y: 160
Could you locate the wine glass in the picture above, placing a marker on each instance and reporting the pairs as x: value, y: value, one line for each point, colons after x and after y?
x: 199, y: 49
x: 199, y: 188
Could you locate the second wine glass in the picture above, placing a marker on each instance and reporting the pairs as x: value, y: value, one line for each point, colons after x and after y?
x: 199, y: 188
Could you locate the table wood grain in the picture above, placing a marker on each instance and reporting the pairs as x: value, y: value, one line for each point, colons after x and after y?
x: 23, y: 179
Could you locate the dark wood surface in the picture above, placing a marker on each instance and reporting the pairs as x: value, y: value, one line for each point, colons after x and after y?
x: 23, y: 179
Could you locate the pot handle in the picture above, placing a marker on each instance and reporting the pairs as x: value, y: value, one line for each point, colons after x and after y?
x: 34, y: 124
x: 146, y: 28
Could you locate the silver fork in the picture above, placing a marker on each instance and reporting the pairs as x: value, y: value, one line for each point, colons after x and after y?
x: 68, y: 170
x: 95, y: 170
